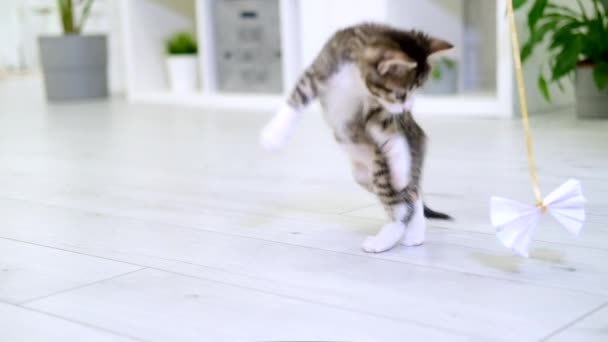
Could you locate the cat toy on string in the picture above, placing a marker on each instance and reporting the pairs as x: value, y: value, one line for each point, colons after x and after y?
x: 516, y: 222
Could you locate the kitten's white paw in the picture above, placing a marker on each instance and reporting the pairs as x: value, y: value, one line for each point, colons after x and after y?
x: 272, y: 138
x: 415, y: 234
x: 275, y: 134
x: 413, y: 241
x: 416, y: 229
x: 387, y: 238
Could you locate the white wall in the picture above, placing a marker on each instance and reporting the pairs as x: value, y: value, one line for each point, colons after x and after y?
x: 319, y: 19
x: 480, y: 17
x: 9, y: 35
x: 441, y: 18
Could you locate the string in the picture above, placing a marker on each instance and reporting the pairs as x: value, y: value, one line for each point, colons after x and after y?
x: 523, y: 102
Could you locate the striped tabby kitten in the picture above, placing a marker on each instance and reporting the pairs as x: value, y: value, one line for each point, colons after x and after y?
x: 364, y: 77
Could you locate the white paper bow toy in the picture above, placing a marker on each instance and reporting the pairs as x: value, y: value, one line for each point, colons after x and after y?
x: 516, y: 222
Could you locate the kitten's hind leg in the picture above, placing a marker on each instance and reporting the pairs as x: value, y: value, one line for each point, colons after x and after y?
x: 390, y: 234
x: 362, y: 175
x: 415, y: 233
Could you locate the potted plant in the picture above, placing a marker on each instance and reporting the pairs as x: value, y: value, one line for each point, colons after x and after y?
x: 444, y: 77
x: 74, y: 65
x: 182, y: 66
x: 578, y: 45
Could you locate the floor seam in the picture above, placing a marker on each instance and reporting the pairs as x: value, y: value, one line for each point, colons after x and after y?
x: 574, y: 322
x: 70, y: 251
x: 225, y: 283
x: 84, y: 324
x: 438, y: 225
x: 327, y: 251
x: 25, y: 303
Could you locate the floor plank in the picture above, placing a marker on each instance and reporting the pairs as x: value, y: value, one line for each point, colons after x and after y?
x: 188, y: 192
x: 591, y: 328
x: 568, y: 266
x: 195, y: 310
x: 29, y: 271
x: 452, y: 300
x: 24, y: 325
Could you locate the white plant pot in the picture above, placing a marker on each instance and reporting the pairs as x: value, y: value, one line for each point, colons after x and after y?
x: 183, y: 73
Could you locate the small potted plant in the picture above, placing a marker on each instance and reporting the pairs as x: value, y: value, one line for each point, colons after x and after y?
x: 578, y: 45
x: 74, y: 65
x: 182, y: 66
x: 444, y: 77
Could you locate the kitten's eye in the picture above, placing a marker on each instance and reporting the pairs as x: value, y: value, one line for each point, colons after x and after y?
x: 400, y: 95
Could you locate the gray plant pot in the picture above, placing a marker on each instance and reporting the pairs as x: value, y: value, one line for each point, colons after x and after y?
x: 74, y: 66
x: 590, y: 101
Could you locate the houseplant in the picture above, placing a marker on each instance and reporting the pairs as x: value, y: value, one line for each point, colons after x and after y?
x: 444, y: 77
x: 182, y: 66
x: 74, y: 65
x: 578, y: 45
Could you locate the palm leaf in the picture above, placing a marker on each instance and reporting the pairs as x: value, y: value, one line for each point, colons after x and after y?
x: 85, y: 14
x: 600, y: 74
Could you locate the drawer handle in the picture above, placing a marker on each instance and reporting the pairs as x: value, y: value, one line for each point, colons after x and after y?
x: 249, y: 14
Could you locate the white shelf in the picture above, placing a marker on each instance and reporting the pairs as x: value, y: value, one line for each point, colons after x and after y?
x: 223, y: 101
x: 305, y: 25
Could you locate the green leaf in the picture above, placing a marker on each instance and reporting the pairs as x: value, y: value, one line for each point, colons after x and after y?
x: 436, y: 73
x: 182, y: 43
x: 526, y: 51
x: 536, y: 13
x: 86, y: 11
x: 599, y: 19
x: 544, y: 87
x: 537, y: 37
x: 568, y: 58
x: 583, y: 10
x: 517, y: 4
x: 66, y: 10
x: 600, y: 74
x: 449, y: 63
x: 563, y: 9
x: 565, y: 34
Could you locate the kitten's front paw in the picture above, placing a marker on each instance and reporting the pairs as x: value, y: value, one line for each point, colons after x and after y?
x: 386, y: 239
x: 414, y: 237
x: 272, y: 138
x: 373, y: 244
x: 413, y: 241
x: 277, y: 131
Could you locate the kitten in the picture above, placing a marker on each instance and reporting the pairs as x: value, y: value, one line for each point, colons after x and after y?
x: 364, y: 77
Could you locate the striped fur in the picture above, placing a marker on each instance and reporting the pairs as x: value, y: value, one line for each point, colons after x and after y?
x: 364, y: 77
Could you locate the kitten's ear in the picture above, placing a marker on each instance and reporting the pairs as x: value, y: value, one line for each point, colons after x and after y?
x: 438, y: 45
x: 396, y: 66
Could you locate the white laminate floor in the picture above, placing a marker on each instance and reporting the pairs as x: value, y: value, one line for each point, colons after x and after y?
x: 145, y: 223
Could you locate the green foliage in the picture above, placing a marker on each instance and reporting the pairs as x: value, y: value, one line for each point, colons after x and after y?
x: 443, y: 62
x: 68, y: 10
x: 182, y: 43
x: 576, y: 37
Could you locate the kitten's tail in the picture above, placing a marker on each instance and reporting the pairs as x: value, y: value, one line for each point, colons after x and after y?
x: 432, y: 214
